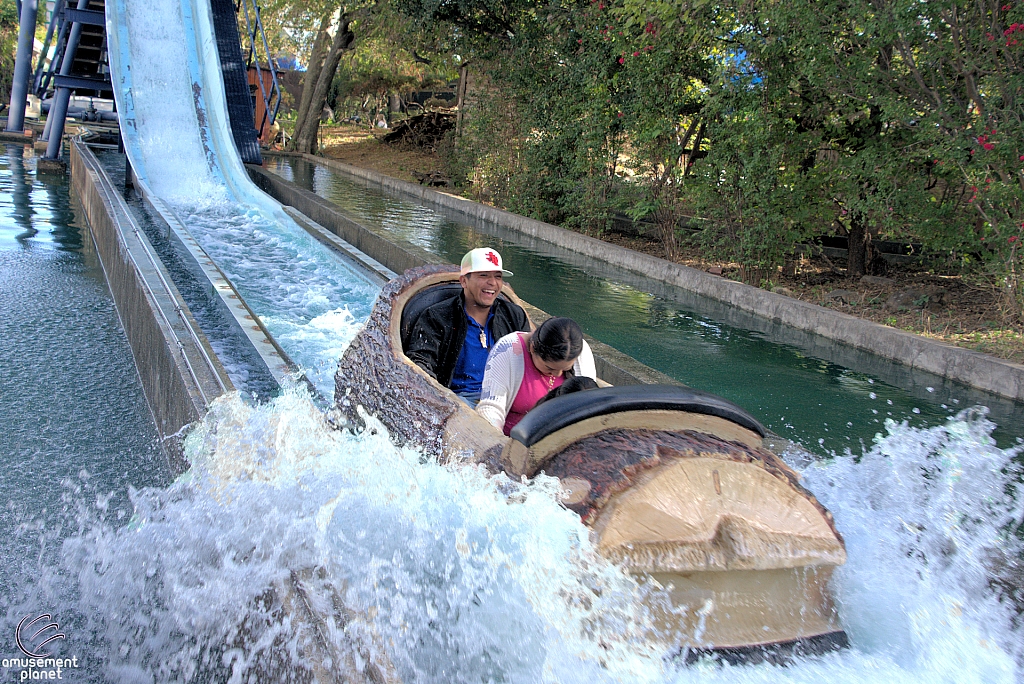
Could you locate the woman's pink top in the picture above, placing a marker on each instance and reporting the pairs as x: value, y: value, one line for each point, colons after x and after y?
x: 533, y: 388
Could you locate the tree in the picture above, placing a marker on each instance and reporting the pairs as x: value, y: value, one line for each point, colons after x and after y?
x: 8, y: 44
x: 394, y: 56
x: 316, y: 62
x: 770, y: 123
x: 317, y: 83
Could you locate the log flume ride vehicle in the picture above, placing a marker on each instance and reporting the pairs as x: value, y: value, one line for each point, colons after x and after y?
x: 674, y: 483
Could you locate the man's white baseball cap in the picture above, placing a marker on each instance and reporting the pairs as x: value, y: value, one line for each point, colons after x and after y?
x: 482, y: 259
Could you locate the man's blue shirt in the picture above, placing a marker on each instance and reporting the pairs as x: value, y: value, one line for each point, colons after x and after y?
x: 468, y: 376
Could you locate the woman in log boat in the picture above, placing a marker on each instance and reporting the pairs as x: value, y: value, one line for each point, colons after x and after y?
x: 675, y: 484
x: 524, y: 367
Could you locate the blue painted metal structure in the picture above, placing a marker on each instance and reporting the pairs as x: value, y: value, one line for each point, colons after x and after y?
x: 87, y: 73
x: 59, y: 108
x: 22, y: 65
x: 272, y: 97
x: 69, y: 72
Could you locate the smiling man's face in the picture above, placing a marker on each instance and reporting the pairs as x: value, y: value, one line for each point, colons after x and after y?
x: 481, y: 288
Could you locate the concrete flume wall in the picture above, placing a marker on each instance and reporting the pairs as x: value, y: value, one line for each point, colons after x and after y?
x: 179, y: 372
x: 963, y: 365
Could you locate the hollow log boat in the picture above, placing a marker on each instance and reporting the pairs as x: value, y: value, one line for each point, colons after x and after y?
x: 675, y: 484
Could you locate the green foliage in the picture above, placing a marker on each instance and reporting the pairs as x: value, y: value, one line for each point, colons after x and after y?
x: 383, y: 62
x: 766, y: 123
x: 752, y: 201
x: 916, y: 105
x: 291, y: 25
x: 8, y: 45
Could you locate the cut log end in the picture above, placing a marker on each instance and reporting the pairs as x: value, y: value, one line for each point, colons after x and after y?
x: 712, y: 514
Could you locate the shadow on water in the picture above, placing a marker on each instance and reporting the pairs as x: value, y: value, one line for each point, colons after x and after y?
x: 826, y: 395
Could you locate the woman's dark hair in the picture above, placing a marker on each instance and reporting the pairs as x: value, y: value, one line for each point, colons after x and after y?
x: 557, y: 339
x: 576, y: 383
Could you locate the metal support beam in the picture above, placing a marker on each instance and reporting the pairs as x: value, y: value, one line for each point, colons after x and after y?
x: 271, y: 99
x: 58, y: 9
x: 82, y: 82
x: 80, y: 16
x: 22, y: 66
x: 58, y: 52
x: 46, y: 128
x: 59, y: 106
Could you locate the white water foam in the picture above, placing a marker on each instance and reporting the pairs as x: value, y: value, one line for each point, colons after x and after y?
x: 171, y: 151
x: 469, y: 578
x: 311, y: 302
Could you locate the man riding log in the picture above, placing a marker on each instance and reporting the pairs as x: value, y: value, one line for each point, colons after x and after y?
x: 452, y: 338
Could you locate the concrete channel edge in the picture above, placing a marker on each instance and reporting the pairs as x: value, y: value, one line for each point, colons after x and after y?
x: 180, y: 374
x: 963, y: 365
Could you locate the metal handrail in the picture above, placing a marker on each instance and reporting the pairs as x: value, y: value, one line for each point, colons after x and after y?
x: 274, y: 96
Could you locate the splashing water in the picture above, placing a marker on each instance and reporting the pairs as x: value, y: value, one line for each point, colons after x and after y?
x: 454, y: 575
x: 450, y: 574
x: 462, y: 584
x: 312, y: 302
x: 932, y: 520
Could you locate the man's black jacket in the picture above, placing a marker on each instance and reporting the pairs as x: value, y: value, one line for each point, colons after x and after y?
x: 440, y: 332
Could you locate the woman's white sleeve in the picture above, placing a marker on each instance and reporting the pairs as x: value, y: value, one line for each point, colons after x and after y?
x: 498, y: 382
x: 585, y: 365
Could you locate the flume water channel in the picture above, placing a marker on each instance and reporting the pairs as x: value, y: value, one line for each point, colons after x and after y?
x: 454, y: 575
x: 823, y: 395
x: 459, y: 577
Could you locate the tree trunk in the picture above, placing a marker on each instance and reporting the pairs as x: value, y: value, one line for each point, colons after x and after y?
x: 460, y: 103
x: 316, y: 61
x: 857, y: 250
x: 305, y: 138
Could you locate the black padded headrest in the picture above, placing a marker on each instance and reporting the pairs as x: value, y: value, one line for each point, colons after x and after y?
x: 560, y: 412
x: 424, y: 299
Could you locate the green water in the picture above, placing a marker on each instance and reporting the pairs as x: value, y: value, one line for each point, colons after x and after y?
x: 824, y: 395
x: 72, y: 408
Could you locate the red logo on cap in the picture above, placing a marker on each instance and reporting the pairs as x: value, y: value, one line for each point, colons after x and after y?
x: 492, y: 257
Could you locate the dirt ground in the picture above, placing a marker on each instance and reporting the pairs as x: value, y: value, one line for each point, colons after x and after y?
x: 358, y: 146
x: 936, y: 305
